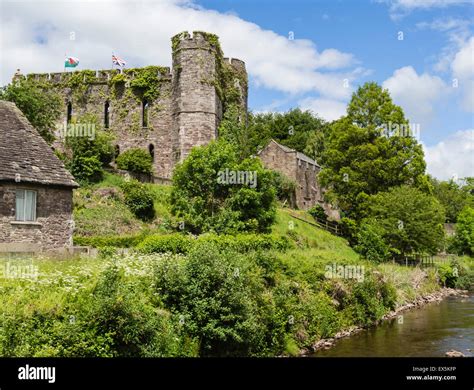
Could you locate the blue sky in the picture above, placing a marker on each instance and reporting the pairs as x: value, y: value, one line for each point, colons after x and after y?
x: 337, y: 46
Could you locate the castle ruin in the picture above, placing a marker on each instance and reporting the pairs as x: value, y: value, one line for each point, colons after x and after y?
x: 166, y: 112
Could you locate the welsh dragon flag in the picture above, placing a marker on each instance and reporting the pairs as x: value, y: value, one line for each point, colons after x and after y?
x: 71, y: 62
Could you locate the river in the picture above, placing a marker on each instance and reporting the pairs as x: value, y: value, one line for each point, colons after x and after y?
x: 429, y: 331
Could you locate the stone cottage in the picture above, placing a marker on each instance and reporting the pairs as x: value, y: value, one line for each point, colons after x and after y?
x: 35, y: 189
x: 302, y: 170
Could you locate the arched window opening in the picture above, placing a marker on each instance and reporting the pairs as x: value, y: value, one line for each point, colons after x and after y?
x: 106, y: 114
x: 151, y: 150
x: 145, y: 113
x: 69, y: 112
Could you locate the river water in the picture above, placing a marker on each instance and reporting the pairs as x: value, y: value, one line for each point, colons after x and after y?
x: 429, y: 331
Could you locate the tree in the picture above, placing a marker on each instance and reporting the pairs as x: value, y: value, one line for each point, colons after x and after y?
x: 214, y: 191
x: 40, y: 105
x: 464, y: 238
x: 87, y: 154
x: 365, y: 153
x: 453, y: 197
x: 408, y: 220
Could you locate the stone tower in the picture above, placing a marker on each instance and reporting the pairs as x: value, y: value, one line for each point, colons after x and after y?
x: 197, y: 108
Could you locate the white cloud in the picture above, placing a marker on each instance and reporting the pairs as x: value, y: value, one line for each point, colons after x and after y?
x: 416, y: 94
x: 412, y: 4
x: 35, y: 36
x: 453, y: 156
x: 463, y: 70
x: 325, y: 108
x: 401, y: 8
x: 457, y: 31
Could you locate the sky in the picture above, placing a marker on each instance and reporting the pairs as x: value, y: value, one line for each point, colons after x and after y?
x: 299, y: 53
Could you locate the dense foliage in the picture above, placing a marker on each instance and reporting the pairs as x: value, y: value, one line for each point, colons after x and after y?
x: 206, y: 199
x: 363, y: 157
x: 135, y: 160
x: 407, y: 219
x: 41, y: 106
x: 139, y: 198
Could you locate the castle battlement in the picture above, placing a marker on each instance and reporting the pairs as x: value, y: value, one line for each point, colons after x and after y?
x: 93, y: 76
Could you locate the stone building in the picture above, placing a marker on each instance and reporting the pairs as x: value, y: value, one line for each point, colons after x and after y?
x: 166, y: 112
x: 302, y: 170
x: 35, y: 189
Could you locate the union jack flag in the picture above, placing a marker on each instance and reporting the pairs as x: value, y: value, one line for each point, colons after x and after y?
x: 118, y: 61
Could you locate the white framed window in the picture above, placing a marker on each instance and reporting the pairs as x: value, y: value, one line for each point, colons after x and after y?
x: 25, y: 209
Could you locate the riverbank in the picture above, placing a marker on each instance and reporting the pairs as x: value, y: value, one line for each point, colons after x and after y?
x: 418, y: 302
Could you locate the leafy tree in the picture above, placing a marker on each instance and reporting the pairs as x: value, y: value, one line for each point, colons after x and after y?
x: 464, y: 239
x: 453, y: 197
x: 363, y: 156
x: 41, y: 106
x: 135, y: 160
x: 408, y: 220
x: 206, y: 197
x: 86, y: 155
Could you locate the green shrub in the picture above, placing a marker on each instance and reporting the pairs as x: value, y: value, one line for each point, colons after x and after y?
x: 214, y: 294
x: 370, y: 300
x: 448, y: 274
x: 240, y: 243
x: 318, y: 213
x: 125, y: 241
x: 135, y: 160
x: 139, y: 199
x: 86, y: 169
x: 285, y: 188
x: 370, y: 243
x: 174, y: 243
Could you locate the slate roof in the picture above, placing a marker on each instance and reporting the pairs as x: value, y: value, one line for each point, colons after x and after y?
x: 299, y: 155
x: 23, y: 151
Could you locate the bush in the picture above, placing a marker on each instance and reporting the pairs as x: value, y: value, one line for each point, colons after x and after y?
x: 87, y: 155
x: 86, y: 169
x: 125, y: 241
x: 285, y: 188
x: 135, y: 160
x: 448, y: 274
x: 174, y: 243
x: 318, y: 213
x: 370, y: 243
x: 214, y: 293
x: 139, y: 199
x: 370, y: 300
x: 240, y: 243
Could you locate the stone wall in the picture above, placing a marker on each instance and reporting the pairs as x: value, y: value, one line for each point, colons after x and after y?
x: 308, y: 191
x: 273, y: 157
x: 53, y: 227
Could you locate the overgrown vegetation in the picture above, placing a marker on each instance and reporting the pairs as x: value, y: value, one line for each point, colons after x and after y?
x: 135, y: 160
